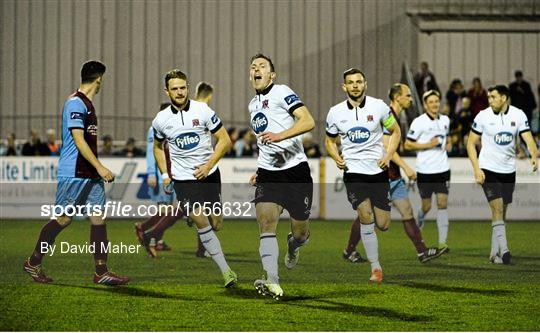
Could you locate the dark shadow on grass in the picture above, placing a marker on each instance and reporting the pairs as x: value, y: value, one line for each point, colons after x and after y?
x: 465, y: 290
x: 131, y: 291
x: 369, y: 311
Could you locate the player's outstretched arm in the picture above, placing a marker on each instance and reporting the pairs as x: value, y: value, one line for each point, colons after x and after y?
x: 531, y: 147
x: 86, y: 152
x: 473, y: 156
x: 332, y: 149
x: 304, y: 123
x: 223, y: 145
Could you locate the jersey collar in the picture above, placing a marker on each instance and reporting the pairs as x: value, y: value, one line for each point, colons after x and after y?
x: 350, y: 106
x: 186, y: 108
x: 266, y: 90
x: 505, y: 112
x: 430, y: 117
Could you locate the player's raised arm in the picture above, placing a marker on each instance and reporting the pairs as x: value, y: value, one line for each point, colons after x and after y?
x: 223, y: 145
x: 303, y: 123
x: 86, y: 152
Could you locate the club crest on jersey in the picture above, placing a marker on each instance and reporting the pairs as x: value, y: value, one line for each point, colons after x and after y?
x: 259, y: 123
x: 503, y: 138
x: 187, y: 141
x: 369, y: 117
x: 265, y: 104
x: 358, y: 134
x: 195, y: 122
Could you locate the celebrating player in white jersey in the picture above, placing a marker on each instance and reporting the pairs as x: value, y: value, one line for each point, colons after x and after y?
x: 428, y: 136
x: 498, y: 127
x: 283, y: 177
x: 359, y: 121
x: 186, y: 125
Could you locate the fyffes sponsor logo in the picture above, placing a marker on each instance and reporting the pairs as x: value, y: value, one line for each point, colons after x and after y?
x: 187, y: 141
x: 358, y: 134
x: 503, y: 138
x: 259, y: 123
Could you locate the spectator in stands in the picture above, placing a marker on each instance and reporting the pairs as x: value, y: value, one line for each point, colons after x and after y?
x: 107, y: 148
x: 246, y: 144
x: 233, y: 134
x: 465, y: 117
x: 11, y: 149
x: 130, y: 150
x: 424, y: 80
x: 34, y: 146
x: 454, y: 97
x: 522, y: 97
x: 54, y: 148
x: 311, y: 148
x: 478, y: 96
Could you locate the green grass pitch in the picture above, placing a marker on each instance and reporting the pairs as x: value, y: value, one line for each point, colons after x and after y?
x: 460, y: 291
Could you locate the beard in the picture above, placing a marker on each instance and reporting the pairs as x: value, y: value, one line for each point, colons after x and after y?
x: 179, y: 106
x: 356, y: 98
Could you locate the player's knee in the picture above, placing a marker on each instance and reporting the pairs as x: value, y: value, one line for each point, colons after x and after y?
x: 64, y: 221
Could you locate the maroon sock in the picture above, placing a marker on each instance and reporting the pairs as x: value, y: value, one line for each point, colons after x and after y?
x: 162, y: 224
x: 414, y: 233
x: 150, y: 223
x: 354, y: 236
x: 98, y: 238
x: 47, y: 236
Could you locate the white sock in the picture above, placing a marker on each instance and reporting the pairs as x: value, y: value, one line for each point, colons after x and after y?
x: 213, y: 247
x: 500, y: 233
x: 269, y: 251
x: 371, y: 245
x: 494, y: 243
x: 442, y: 225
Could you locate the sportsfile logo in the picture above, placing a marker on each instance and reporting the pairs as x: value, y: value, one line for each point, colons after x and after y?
x: 187, y: 141
x: 503, y: 138
x: 259, y: 123
x: 358, y: 134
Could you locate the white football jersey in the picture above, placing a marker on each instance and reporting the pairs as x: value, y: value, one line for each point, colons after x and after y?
x: 272, y: 111
x: 361, y: 130
x: 188, y: 132
x: 499, y: 132
x: 422, y: 130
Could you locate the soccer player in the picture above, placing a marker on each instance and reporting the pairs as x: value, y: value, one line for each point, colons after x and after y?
x: 80, y: 178
x: 283, y: 178
x: 498, y: 127
x: 360, y: 121
x: 428, y: 136
x: 400, y: 99
x: 187, y: 125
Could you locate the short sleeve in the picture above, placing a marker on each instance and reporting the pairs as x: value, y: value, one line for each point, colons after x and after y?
x: 387, y: 117
x: 331, y: 128
x: 524, y: 125
x: 158, y: 134
x: 414, y: 131
x: 212, y: 121
x: 76, y: 113
x: 477, y: 125
x: 289, y: 99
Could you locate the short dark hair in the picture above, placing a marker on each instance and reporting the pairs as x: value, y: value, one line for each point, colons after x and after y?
x: 174, y: 74
x: 429, y: 93
x: 91, y: 70
x: 352, y: 71
x: 501, y: 89
x: 396, y: 89
x: 203, y: 89
x: 262, y: 56
x: 518, y: 73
